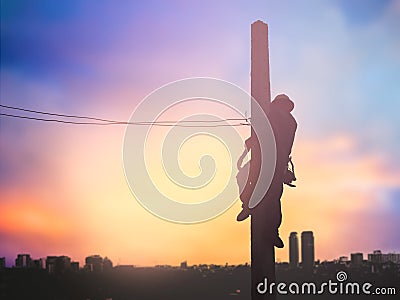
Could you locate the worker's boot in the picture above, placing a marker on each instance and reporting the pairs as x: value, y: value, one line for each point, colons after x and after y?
x: 243, y: 215
x: 277, y: 241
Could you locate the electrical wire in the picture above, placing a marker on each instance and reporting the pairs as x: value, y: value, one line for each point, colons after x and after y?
x: 111, y: 122
x: 120, y: 123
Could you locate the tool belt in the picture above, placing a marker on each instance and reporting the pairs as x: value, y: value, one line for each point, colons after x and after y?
x: 289, y: 175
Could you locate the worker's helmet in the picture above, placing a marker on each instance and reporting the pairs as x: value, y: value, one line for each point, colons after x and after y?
x: 283, y: 102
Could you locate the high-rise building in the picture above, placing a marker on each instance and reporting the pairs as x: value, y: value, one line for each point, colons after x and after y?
x: 2, y: 263
x: 51, y: 263
x: 58, y: 264
x: 39, y: 263
x: 344, y: 260
x: 356, y: 259
x: 393, y: 257
x: 23, y: 261
x: 307, y: 250
x: 107, y: 264
x: 377, y: 257
x: 75, y: 266
x: 293, y: 250
x: 94, y: 263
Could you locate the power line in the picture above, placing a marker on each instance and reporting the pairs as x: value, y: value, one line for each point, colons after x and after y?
x: 107, y: 120
x: 119, y: 123
x: 54, y: 114
x: 56, y: 120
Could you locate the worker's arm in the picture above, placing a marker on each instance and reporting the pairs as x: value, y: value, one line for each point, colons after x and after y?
x: 247, y: 149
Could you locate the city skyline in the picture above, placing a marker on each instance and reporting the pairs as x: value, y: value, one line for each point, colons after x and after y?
x: 99, y: 279
x: 307, y: 246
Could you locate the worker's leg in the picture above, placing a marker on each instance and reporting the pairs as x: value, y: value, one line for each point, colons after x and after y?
x: 270, y: 209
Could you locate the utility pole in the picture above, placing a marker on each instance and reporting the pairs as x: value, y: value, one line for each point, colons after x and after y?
x: 262, y: 250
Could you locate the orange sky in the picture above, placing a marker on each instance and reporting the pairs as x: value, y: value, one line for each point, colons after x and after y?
x: 96, y: 213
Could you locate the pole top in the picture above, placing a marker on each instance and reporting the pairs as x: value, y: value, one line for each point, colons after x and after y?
x: 259, y: 23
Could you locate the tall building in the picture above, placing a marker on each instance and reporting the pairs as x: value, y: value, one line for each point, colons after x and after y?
x: 107, y: 264
x: 39, y: 263
x: 58, y: 264
x: 94, y: 263
x: 23, y: 261
x: 344, y: 260
x: 356, y: 259
x: 51, y: 264
x: 293, y: 250
x: 2, y: 263
x: 307, y: 250
x: 393, y: 257
x: 184, y: 264
x: 75, y: 266
x: 377, y: 257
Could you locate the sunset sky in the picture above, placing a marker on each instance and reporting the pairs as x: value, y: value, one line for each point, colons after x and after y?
x: 62, y: 187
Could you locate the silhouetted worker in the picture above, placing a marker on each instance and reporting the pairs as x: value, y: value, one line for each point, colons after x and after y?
x: 284, y: 128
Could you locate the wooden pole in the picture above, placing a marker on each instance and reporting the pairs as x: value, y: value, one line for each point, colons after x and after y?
x: 260, y: 82
x: 262, y: 250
